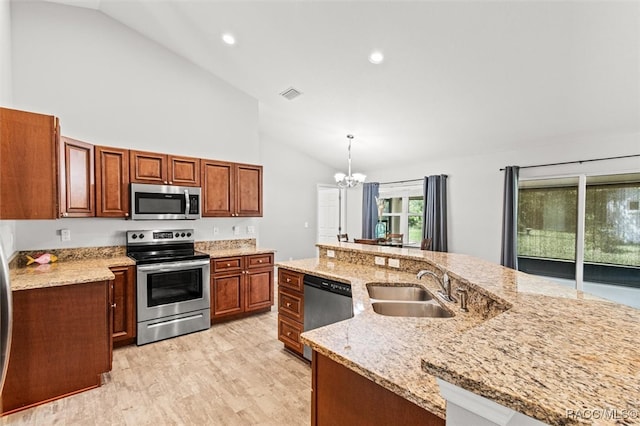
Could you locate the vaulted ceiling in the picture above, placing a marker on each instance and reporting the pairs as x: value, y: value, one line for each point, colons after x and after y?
x: 458, y: 78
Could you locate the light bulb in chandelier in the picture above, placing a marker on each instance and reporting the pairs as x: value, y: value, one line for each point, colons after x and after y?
x: 349, y: 180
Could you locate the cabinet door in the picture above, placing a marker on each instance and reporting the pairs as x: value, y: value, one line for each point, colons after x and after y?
x: 227, y: 295
x: 184, y: 171
x: 112, y: 182
x: 76, y: 178
x: 148, y: 167
x: 259, y: 289
x: 249, y: 190
x: 218, y: 189
x: 124, y: 305
x: 29, y: 165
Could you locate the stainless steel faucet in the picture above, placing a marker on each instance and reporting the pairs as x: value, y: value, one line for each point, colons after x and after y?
x: 444, y: 282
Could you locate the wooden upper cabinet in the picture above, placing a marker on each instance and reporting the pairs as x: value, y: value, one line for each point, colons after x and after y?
x: 77, y: 196
x: 112, y: 181
x: 29, y: 165
x: 184, y: 171
x: 218, y: 189
x: 148, y: 167
x: 163, y: 169
x: 249, y: 190
x: 231, y: 189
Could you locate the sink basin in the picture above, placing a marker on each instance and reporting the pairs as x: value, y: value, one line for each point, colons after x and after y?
x: 405, y: 292
x: 408, y: 309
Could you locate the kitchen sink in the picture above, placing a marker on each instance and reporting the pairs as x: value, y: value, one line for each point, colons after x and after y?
x: 403, y: 292
x: 409, y: 309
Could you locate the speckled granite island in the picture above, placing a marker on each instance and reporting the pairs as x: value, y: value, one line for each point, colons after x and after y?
x: 547, y: 351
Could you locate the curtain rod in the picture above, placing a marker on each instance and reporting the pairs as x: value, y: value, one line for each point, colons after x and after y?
x: 402, y: 181
x: 578, y: 162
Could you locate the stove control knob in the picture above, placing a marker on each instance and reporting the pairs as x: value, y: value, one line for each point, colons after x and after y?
x: 188, y: 234
x: 182, y: 234
x: 141, y: 236
x: 177, y: 234
x: 134, y: 236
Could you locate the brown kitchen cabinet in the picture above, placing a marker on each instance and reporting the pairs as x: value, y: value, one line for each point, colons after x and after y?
x: 123, y: 289
x: 290, y: 309
x: 61, y: 343
x: 112, y: 181
x: 77, y: 184
x: 163, y: 169
x: 29, y: 164
x: 241, y: 285
x: 231, y: 189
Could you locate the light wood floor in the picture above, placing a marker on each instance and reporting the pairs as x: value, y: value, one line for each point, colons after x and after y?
x: 235, y: 373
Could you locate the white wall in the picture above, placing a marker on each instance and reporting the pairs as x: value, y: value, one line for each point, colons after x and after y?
x: 475, y: 183
x: 290, y: 200
x: 111, y: 86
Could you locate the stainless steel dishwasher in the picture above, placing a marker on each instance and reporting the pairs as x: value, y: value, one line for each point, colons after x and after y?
x: 325, y: 302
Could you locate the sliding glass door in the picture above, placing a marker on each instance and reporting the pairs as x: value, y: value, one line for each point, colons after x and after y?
x: 583, y: 231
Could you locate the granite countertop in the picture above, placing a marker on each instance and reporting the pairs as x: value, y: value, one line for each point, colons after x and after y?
x: 65, y: 272
x: 553, y: 348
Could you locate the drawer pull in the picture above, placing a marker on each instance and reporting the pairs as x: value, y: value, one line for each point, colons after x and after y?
x: 288, y: 280
x: 228, y: 264
x: 114, y: 306
x: 288, y: 304
x: 288, y: 333
x: 260, y: 261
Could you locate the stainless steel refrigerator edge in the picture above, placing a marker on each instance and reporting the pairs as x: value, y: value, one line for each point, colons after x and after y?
x: 6, y: 317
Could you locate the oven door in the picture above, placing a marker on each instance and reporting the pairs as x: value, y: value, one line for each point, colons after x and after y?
x: 166, y: 289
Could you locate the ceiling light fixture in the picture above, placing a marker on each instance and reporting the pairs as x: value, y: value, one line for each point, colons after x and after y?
x: 229, y: 39
x: 350, y: 180
x: 376, y: 57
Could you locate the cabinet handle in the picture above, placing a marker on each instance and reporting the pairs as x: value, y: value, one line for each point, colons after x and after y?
x: 114, y: 306
x: 288, y: 304
x: 165, y: 182
x: 65, y: 214
x: 260, y: 261
x: 288, y: 280
x: 126, y: 214
x: 170, y: 182
x: 288, y: 333
x: 228, y: 265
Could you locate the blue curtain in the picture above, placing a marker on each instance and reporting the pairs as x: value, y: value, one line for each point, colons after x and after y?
x: 509, y: 252
x: 370, y: 191
x: 434, y: 214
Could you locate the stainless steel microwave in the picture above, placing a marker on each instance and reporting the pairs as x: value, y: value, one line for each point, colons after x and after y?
x: 160, y: 202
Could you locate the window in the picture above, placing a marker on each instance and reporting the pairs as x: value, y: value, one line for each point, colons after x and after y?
x: 602, y: 254
x: 402, y: 211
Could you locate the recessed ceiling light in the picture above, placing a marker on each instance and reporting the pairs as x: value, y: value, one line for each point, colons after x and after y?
x: 376, y: 57
x: 229, y: 39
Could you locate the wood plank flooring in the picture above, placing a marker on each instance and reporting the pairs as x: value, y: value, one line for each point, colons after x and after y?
x: 235, y: 373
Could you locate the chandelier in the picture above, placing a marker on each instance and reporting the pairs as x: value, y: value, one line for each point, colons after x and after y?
x: 350, y: 180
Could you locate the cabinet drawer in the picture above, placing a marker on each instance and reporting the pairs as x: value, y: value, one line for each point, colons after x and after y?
x: 291, y: 304
x: 227, y: 264
x: 289, y: 333
x: 259, y: 260
x: 290, y: 279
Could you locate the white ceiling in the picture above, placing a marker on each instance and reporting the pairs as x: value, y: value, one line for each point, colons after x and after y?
x: 459, y: 78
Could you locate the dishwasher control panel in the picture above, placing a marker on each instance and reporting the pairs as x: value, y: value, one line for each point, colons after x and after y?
x: 328, y: 285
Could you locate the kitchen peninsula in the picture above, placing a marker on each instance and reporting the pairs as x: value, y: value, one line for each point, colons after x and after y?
x: 542, y: 350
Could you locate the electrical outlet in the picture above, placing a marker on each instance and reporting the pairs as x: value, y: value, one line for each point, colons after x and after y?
x: 380, y: 260
x: 394, y: 263
x: 306, y: 224
x: 216, y: 230
x: 331, y: 253
x: 236, y: 230
x: 65, y: 234
x: 251, y: 229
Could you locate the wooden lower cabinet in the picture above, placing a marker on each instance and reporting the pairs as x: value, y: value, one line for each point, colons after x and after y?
x: 241, y: 285
x: 123, y: 289
x: 290, y: 309
x: 61, y: 343
x: 340, y: 396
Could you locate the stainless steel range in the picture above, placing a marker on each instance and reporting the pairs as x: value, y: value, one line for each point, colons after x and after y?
x: 172, y: 284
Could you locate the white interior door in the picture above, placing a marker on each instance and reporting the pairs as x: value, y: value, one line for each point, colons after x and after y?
x: 328, y: 214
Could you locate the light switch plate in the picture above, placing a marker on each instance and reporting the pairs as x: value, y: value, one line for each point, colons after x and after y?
x: 379, y: 260
x: 394, y: 263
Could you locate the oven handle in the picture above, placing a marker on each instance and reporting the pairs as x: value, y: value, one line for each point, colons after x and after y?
x: 174, y: 266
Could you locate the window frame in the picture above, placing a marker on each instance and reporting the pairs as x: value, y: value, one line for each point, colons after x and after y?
x: 404, y: 192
